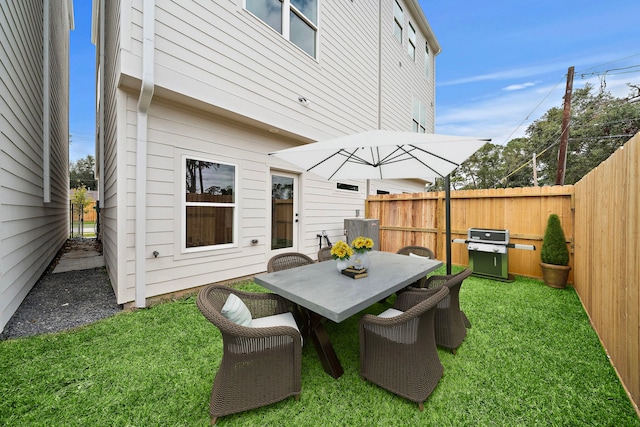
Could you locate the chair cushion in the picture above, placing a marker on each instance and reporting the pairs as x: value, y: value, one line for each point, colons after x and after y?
x: 399, y: 334
x: 283, y: 319
x: 236, y: 311
x: 390, y: 312
x: 418, y: 256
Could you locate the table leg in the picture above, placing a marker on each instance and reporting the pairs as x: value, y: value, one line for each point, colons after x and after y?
x: 321, y: 342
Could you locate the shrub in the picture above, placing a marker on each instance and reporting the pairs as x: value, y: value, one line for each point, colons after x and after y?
x: 554, y: 245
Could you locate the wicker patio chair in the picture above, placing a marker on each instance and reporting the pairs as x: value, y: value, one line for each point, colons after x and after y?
x: 419, y: 251
x: 399, y: 353
x: 451, y: 322
x: 260, y: 365
x: 288, y: 260
x: 324, y: 254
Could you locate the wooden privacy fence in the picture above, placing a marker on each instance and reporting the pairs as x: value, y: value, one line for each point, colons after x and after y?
x: 600, y: 217
x: 419, y: 219
x: 607, y: 258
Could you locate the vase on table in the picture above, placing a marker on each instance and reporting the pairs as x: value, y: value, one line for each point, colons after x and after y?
x: 361, y: 260
x: 341, y: 264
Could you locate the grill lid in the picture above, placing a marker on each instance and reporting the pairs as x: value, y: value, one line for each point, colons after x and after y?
x: 484, y: 235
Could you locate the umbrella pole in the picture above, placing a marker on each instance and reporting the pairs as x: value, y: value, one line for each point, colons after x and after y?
x: 447, y: 204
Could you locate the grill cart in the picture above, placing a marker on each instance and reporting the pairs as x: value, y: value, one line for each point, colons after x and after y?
x: 488, y: 253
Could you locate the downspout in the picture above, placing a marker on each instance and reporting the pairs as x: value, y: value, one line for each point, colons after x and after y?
x: 144, y: 101
x: 46, y: 106
x: 380, y: 64
x: 101, y: 90
x: 379, y: 118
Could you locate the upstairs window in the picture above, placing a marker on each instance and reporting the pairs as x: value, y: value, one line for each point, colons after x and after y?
x: 296, y: 20
x: 411, y: 49
x: 419, y: 116
x: 427, y: 60
x: 398, y: 20
x: 209, y: 204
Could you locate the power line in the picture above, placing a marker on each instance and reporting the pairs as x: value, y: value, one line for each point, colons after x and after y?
x: 610, y: 72
x: 534, y: 109
x: 612, y: 62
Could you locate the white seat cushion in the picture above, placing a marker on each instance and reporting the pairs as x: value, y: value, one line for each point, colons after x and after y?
x: 283, y: 319
x: 418, y: 256
x: 390, y: 312
x: 236, y: 311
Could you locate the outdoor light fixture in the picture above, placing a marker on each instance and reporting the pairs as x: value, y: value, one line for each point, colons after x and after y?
x: 304, y: 101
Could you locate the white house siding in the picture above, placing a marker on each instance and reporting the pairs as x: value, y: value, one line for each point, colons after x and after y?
x: 176, y: 130
x: 398, y: 93
x: 112, y: 179
x: 31, y: 231
x: 219, y: 53
x: 223, y: 81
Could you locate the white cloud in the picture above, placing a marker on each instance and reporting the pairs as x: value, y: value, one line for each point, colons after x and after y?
x: 519, y: 86
x: 513, y: 73
x: 508, y: 114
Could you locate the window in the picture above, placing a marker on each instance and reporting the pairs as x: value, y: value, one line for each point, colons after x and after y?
x: 398, y: 20
x: 296, y: 20
x: 427, y: 60
x: 210, y: 203
x: 348, y: 187
x: 419, y: 116
x: 412, y: 42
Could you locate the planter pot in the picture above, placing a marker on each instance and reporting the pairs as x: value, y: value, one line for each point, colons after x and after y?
x: 555, y: 276
x: 342, y: 264
x: 361, y: 260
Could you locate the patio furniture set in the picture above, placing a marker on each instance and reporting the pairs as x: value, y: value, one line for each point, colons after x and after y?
x: 263, y: 333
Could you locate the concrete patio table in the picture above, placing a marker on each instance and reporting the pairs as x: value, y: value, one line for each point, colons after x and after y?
x: 322, y: 292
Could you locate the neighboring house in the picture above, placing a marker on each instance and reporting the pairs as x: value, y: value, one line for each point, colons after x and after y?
x: 194, y: 94
x: 34, y: 142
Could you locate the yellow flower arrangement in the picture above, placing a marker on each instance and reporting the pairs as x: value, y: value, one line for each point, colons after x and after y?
x: 362, y: 244
x: 341, y: 250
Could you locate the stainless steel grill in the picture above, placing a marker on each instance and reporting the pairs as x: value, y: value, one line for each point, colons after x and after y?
x: 488, y: 252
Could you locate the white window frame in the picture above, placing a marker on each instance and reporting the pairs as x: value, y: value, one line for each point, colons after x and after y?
x: 427, y: 60
x: 184, y: 204
x: 287, y: 8
x: 398, y: 20
x: 411, y: 46
x: 419, y: 116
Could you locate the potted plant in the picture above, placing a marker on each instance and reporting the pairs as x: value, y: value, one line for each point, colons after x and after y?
x: 341, y: 252
x: 554, y: 254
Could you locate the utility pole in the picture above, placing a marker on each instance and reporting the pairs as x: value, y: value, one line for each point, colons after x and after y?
x: 564, y: 137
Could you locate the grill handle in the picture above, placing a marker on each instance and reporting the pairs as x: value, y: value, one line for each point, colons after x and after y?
x: 509, y: 245
x: 525, y: 247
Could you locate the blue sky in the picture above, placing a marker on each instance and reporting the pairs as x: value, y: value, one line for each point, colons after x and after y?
x: 501, y: 67
x: 504, y: 64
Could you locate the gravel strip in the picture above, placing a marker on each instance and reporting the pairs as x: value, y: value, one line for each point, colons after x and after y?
x: 63, y: 301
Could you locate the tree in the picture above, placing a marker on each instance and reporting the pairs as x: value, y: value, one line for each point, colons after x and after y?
x: 81, y: 198
x: 81, y: 173
x: 600, y: 124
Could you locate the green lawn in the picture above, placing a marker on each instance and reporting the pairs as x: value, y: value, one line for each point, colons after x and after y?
x: 530, y: 359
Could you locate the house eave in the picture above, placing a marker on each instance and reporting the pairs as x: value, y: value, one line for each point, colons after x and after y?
x: 423, y: 23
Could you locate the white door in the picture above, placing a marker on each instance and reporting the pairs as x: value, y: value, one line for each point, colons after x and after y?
x: 284, y: 212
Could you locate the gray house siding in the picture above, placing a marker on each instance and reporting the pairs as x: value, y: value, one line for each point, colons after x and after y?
x: 31, y: 229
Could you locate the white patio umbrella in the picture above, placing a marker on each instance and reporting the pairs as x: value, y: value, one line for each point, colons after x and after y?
x: 384, y: 154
